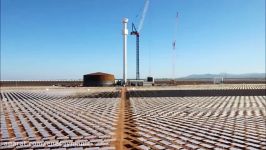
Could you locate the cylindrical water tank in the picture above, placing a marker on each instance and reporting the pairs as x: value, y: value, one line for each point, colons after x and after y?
x: 98, y: 79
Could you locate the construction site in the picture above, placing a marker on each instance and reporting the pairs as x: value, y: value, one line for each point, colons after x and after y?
x: 140, y: 112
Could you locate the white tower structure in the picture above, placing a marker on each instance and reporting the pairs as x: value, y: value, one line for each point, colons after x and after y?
x: 125, y: 33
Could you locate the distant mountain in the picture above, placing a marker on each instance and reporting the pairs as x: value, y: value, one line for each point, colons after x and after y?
x: 225, y: 75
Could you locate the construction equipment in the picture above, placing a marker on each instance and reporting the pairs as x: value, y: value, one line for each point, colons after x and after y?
x: 174, y: 47
x: 136, y: 33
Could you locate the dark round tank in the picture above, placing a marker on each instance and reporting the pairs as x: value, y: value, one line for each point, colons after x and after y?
x: 98, y: 79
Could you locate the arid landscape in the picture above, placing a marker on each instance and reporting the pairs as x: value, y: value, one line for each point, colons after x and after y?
x: 127, y: 118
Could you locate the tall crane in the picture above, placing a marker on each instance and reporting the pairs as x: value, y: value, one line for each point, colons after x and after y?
x: 136, y: 33
x: 174, y: 47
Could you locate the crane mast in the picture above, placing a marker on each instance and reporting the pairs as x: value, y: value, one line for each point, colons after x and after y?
x: 136, y: 33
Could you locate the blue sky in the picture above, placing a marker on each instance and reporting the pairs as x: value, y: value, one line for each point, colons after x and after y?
x: 64, y: 39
